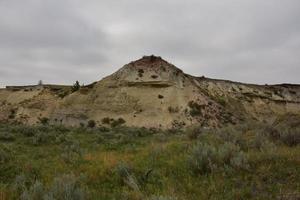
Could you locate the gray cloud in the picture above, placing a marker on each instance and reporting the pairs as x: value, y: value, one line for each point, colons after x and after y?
x: 60, y: 41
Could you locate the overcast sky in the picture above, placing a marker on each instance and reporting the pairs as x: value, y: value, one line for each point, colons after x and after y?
x: 60, y: 41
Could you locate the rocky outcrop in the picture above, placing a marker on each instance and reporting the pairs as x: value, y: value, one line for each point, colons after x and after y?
x: 150, y: 92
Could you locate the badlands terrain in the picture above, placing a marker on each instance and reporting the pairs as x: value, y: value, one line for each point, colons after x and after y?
x: 149, y: 92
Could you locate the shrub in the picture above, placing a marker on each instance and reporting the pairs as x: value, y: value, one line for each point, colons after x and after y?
x: 67, y: 187
x: 127, y: 177
x: 195, y: 108
x: 72, y: 152
x: 193, y: 132
x: 221, y: 101
x: 36, y: 192
x: 91, y: 124
x: 105, y: 120
x: 75, y: 87
x: 202, y: 158
x: 205, y: 158
x: 232, y: 135
x: 118, y: 122
x: 27, y: 131
x: 290, y: 137
x: 41, y: 138
x: 44, y: 120
x: 284, y: 132
x: 160, y: 96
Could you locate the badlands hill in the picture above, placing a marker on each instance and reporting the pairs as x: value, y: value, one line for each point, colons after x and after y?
x: 149, y: 92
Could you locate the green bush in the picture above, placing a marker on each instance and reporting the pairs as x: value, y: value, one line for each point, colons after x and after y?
x: 205, y: 158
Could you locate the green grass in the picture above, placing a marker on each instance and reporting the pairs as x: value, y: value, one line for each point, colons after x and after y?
x: 135, y: 163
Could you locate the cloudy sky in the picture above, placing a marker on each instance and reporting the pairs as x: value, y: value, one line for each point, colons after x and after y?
x: 60, y: 41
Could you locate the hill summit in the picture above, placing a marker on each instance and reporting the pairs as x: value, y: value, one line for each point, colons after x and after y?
x: 149, y: 92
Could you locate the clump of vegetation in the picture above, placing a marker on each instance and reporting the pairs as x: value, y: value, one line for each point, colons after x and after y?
x: 91, y: 123
x: 65, y: 187
x: 44, y: 120
x: 76, y: 86
x: 205, y: 158
x: 6, y: 136
x: 195, y: 108
x: 221, y: 101
x: 72, y: 153
x: 106, y: 120
x: 118, y: 122
x: 290, y: 137
x: 12, y: 114
x: 126, y: 176
x: 193, y: 132
x: 160, y: 96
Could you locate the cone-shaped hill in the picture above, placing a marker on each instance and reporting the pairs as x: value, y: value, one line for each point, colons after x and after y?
x: 149, y: 92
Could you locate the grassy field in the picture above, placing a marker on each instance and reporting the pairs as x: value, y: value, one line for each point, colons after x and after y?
x: 251, y: 161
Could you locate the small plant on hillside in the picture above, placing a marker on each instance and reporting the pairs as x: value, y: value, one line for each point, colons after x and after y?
x: 160, y: 96
x: 75, y: 87
x: 118, y: 122
x: 105, y: 120
x: 91, y: 124
x: 221, y: 101
x: 44, y: 120
x: 195, y: 108
x: 12, y: 114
